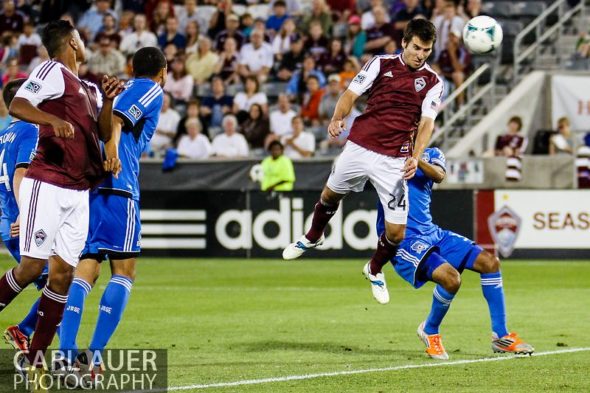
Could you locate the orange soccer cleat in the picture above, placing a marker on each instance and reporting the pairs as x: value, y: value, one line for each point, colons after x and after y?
x: 511, y: 343
x: 433, y: 342
x: 17, y: 339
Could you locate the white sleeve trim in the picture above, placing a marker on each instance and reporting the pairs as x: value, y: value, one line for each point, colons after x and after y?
x: 365, y: 78
x: 46, y: 82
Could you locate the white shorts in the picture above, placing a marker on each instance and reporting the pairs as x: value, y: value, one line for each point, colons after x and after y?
x: 53, y: 221
x: 356, y: 165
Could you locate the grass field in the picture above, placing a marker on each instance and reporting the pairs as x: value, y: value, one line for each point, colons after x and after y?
x: 229, y: 321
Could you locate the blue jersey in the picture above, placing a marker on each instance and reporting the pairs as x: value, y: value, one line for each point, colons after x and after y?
x: 419, y: 217
x: 18, y: 143
x: 139, y: 107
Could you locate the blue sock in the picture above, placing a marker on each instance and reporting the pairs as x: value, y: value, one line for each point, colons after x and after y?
x: 70, y: 323
x: 27, y: 326
x: 112, y: 305
x: 441, y: 301
x: 493, y: 291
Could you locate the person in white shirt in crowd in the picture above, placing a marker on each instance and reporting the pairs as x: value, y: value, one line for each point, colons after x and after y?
x: 106, y: 60
x: 91, y: 22
x: 179, y: 83
x: 445, y: 23
x: 190, y: 13
x: 300, y: 143
x: 140, y: 37
x: 251, y: 95
x: 192, y: 34
x: 194, y: 145
x: 166, y: 128
x: 230, y: 144
x: 256, y: 58
x: 280, y: 118
x: 28, y: 36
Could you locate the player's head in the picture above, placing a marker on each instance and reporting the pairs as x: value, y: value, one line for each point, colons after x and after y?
x: 10, y: 90
x: 61, y: 38
x: 275, y: 148
x: 150, y: 62
x: 419, y: 38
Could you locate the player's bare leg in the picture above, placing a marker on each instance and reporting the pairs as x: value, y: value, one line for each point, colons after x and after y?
x: 323, y: 211
x: 386, y: 248
x: 488, y: 266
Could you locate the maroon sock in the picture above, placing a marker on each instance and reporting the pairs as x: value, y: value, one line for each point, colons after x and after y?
x: 9, y: 289
x: 322, y: 213
x: 50, y: 312
x: 385, y: 251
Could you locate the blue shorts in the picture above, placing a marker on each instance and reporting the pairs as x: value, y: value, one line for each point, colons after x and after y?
x: 13, y: 247
x: 114, y: 229
x: 418, y: 256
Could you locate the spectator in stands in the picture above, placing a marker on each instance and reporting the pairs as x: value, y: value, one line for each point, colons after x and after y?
x: 333, y: 61
x: 513, y: 143
x: 330, y: 98
x: 368, y: 17
x: 232, y: 24
x: 215, y: 107
x: 291, y: 61
x: 91, y: 22
x: 256, y: 129
x: 8, y: 49
x: 411, y: 9
x: 356, y: 37
x: 256, y: 58
x: 349, y: 71
x: 277, y: 170
x: 42, y: 56
x: 311, y: 101
x: 12, y: 71
x: 247, y: 25
x: 106, y: 60
x: 280, y: 118
x: 563, y: 141
x: 194, y: 144
x: 126, y: 22
x: 278, y: 17
x: 179, y: 83
x: 583, y: 45
x: 316, y: 43
x: 217, y: 20
x: 446, y: 23
x: 190, y: 13
x: 227, y: 65
x: 454, y: 63
x: 164, y: 9
x: 230, y: 144
x: 380, y: 34
x: 341, y: 12
x: 11, y: 19
x: 5, y: 117
x: 281, y: 42
x: 192, y: 37
x: 298, y: 82
x: 109, y: 29
x: 472, y: 9
x: 251, y: 95
x: 320, y: 12
x: 29, y: 36
x: 201, y: 64
x: 300, y: 143
x: 171, y: 34
x: 140, y: 37
x: 166, y: 127
x: 293, y: 7
x: 192, y: 112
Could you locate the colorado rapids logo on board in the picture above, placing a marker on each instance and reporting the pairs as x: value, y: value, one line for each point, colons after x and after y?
x: 504, y: 227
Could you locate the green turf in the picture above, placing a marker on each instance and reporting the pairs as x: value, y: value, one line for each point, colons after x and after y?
x: 229, y: 320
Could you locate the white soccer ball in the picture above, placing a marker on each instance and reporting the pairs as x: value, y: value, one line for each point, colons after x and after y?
x: 482, y: 34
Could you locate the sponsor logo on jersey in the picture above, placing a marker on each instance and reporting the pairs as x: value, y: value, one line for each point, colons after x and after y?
x: 419, y: 247
x: 33, y: 87
x: 40, y: 237
x: 359, y: 79
x: 504, y: 226
x: 135, y: 112
x: 419, y: 84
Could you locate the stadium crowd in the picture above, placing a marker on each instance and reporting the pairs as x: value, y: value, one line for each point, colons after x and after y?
x: 241, y: 73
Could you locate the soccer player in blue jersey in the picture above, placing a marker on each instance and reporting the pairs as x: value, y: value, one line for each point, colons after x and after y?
x: 18, y: 143
x: 430, y: 253
x: 114, y: 212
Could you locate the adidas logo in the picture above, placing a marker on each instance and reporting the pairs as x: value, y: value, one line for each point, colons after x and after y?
x: 388, y: 74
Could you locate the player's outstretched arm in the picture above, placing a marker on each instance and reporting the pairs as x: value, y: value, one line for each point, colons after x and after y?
x: 112, y: 162
x: 343, y: 108
x: 22, y: 109
x: 432, y: 171
x: 111, y: 86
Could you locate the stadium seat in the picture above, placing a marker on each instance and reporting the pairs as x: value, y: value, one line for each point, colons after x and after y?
x: 541, y: 141
x: 273, y: 89
x: 498, y: 9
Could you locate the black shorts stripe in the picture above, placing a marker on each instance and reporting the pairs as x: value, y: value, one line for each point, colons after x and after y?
x: 47, y: 71
x: 31, y: 214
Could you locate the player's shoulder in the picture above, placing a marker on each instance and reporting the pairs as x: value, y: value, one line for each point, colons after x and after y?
x: 435, y: 155
x: 143, y: 91
x: 379, y: 60
x: 47, y: 69
x: 432, y: 74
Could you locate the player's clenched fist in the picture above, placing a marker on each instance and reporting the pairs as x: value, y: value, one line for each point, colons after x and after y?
x: 410, y: 168
x: 112, y: 86
x: 335, y: 128
x: 112, y: 165
x: 62, y: 128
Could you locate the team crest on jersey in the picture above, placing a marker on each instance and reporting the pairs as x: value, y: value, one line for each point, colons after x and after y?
x: 405, y: 148
x: 359, y: 79
x: 419, y: 84
x: 504, y: 226
x: 135, y: 112
x: 40, y: 237
x: 33, y: 87
x: 419, y: 247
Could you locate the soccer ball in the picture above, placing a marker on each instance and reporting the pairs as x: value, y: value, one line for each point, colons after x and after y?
x: 482, y: 34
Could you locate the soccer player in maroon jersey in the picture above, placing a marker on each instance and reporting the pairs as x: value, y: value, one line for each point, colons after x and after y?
x: 384, y: 145
x: 54, y: 193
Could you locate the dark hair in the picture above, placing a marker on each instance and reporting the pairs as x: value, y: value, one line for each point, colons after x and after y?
x: 421, y: 28
x: 517, y: 120
x: 55, y: 34
x: 275, y: 143
x: 148, y: 62
x: 253, y: 79
x: 10, y: 90
x: 279, y: 3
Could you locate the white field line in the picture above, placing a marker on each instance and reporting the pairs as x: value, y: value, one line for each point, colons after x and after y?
x: 364, y: 371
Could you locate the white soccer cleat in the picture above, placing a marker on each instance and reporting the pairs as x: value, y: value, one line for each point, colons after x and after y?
x: 295, y: 250
x: 378, y: 285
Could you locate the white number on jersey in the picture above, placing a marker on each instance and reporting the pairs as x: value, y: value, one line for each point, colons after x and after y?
x: 4, y: 173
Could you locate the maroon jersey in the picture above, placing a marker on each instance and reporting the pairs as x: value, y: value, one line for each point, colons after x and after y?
x: 398, y: 97
x: 68, y: 163
x: 515, y: 141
